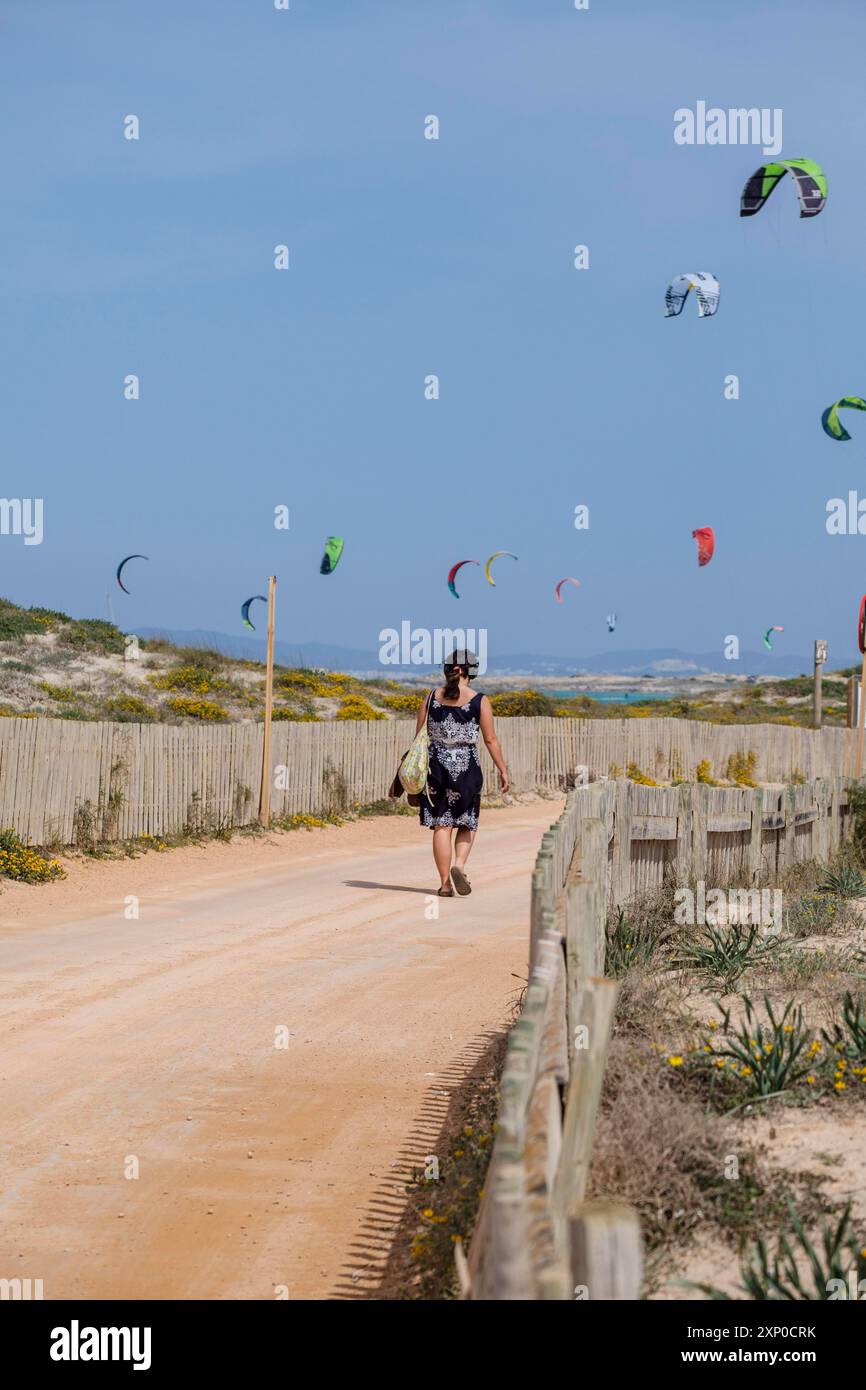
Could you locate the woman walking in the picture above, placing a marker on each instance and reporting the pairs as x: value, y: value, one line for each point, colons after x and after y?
x: 456, y: 716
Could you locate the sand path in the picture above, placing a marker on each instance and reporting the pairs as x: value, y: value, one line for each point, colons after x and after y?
x: 149, y: 1045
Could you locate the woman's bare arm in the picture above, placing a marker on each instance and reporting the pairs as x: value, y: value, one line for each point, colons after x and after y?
x: 488, y: 733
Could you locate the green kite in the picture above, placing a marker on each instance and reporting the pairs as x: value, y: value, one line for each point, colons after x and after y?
x: 830, y: 419
x: 809, y: 177
x: 333, y: 551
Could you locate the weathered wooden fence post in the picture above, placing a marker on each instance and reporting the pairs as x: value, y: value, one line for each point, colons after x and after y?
x: 594, y: 1016
x: 606, y: 1251
x: 700, y: 817
x: 787, y: 846
x: 685, y: 834
x: 755, y: 853
x: 585, y: 916
x: 510, y: 1275
x: 621, y: 867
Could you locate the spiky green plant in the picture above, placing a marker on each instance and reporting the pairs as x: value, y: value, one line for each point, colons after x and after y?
x: 779, y: 1277
x: 848, y: 1039
x: 843, y: 881
x: 723, y: 954
x: 768, y: 1056
x: 628, y: 944
x: 815, y: 914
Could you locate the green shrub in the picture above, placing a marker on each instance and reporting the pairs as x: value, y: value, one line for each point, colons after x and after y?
x: 92, y: 634
x: 354, y: 707
x: 321, y: 684
x: 129, y: 709
x: 18, y: 861
x: 196, y: 679
x: 404, y: 703
x: 18, y: 622
x: 57, y: 692
x: 741, y: 769
x: 189, y: 708
x: 816, y: 914
x: 514, y: 704
x: 206, y: 659
x: 634, y: 774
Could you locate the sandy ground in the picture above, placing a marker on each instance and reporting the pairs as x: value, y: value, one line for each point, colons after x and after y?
x: 828, y: 1144
x: 827, y: 1140
x: 148, y: 1045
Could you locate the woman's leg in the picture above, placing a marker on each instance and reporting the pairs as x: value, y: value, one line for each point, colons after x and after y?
x: 442, y: 853
x: 463, y: 843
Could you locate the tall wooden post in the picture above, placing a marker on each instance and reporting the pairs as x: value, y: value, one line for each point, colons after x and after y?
x: 265, y: 802
x: 818, y: 671
x: 861, y: 707
x: 860, y: 713
x: 853, y: 697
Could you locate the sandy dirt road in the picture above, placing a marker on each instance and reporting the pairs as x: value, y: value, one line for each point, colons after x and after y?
x: 151, y: 1042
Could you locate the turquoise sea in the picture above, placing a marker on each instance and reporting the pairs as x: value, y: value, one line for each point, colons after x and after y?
x: 611, y: 697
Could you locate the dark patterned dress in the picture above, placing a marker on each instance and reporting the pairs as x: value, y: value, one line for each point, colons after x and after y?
x: 455, y: 778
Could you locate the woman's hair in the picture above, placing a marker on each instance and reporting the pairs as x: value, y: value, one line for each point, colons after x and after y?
x: 452, y: 681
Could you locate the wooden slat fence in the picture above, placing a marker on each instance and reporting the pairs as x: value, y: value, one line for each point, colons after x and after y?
x: 535, y: 1236
x: 62, y: 778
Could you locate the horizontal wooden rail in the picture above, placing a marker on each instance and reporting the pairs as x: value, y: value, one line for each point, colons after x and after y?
x: 536, y: 1237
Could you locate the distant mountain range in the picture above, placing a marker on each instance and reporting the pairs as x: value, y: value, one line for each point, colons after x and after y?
x: 660, y: 662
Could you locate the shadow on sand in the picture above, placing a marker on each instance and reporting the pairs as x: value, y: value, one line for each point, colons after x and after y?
x: 392, y: 887
x: 378, y: 1264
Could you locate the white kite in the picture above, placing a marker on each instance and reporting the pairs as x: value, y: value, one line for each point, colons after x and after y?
x: 705, y: 286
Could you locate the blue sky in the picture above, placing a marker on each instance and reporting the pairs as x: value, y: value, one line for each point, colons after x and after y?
x: 410, y: 257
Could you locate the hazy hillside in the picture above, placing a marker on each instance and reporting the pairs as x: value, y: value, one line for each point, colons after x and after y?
x: 69, y: 668
x: 661, y: 661
x: 88, y: 669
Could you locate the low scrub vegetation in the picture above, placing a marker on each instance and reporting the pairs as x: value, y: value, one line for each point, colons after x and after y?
x: 71, y: 668
x: 23, y: 863
x: 720, y: 1030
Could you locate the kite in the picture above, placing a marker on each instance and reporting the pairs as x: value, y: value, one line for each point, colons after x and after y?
x: 245, y: 609
x: 453, y: 571
x: 830, y: 419
x: 705, y: 286
x: 767, y: 643
x: 575, y: 582
x: 120, y: 567
x: 495, y: 556
x: 611, y: 621
x: 333, y: 551
x: 706, y: 539
x: 809, y: 177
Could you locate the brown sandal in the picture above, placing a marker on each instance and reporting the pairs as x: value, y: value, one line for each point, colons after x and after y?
x: 461, y: 882
x: 446, y: 892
